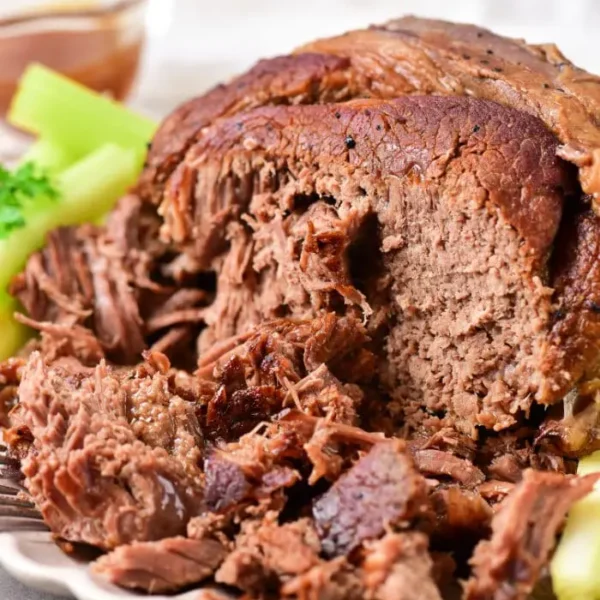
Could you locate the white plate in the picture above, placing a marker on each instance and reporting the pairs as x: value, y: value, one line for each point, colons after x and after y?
x: 32, y: 558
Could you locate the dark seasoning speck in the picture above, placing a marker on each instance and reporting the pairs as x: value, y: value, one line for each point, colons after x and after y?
x: 350, y: 142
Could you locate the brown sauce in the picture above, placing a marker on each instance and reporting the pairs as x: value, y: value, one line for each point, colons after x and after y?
x: 100, y: 53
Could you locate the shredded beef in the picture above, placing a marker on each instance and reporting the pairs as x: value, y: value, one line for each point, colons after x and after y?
x: 286, y: 363
x: 92, y: 477
x: 271, y: 553
x: 524, y: 531
x: 398, y: 567
x: 332, y: 580
x: 101, y: 291
x: 9, y: 382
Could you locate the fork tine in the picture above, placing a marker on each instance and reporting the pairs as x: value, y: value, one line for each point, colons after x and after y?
x: 13, y: 500
x: 11, y: 488
x: 10, y: 510
x: 13, y: 524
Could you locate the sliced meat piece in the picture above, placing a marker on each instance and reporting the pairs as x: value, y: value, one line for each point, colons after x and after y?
x: 460, y: 514
x: 163, y: 566
x: 231, y: 482
x: 524, y: 531
x: 398, y: 567
x: 382, y: 488
x: 450, y: 186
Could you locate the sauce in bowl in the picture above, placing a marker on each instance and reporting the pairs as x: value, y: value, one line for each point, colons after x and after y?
x: 99, y: 46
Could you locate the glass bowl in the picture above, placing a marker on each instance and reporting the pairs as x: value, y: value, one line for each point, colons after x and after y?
x: 96, y: 43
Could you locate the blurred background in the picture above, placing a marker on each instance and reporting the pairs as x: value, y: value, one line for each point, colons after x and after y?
x: 194, y: 43
x: 156, y: 53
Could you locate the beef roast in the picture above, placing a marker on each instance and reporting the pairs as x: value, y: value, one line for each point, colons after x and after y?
x: 336, y: 158
x: 282, y: 202
x: 377, y: 237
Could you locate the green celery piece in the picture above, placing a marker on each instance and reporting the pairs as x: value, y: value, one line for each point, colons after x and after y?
x: 75, y: 118
x: 88, y: 190
x: 575, y: 567
x: 14, y: 335
x: 48, y: 156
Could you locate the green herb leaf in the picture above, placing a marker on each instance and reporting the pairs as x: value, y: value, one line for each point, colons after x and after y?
x: 17, y: 188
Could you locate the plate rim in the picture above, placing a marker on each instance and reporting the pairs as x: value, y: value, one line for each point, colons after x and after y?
x: 69, y: 578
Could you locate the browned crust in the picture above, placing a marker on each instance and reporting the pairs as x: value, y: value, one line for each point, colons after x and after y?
x: 304, y: 79
x: 511, y: 154
x: 573, y: 342
x: 421, y: 56
x: 406, y: 56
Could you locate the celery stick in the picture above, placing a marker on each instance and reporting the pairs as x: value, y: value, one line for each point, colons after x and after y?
x: 91, y: 187
x: 48, y: 156
x: 575, y: 567
x: 74, y: 117
x: 13, y: 335
x: 88, y: 190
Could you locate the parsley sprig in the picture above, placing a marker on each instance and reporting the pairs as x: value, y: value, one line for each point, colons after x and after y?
x: 17, y: 188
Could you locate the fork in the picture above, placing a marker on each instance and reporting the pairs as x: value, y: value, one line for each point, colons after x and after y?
x: 17, y: 510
